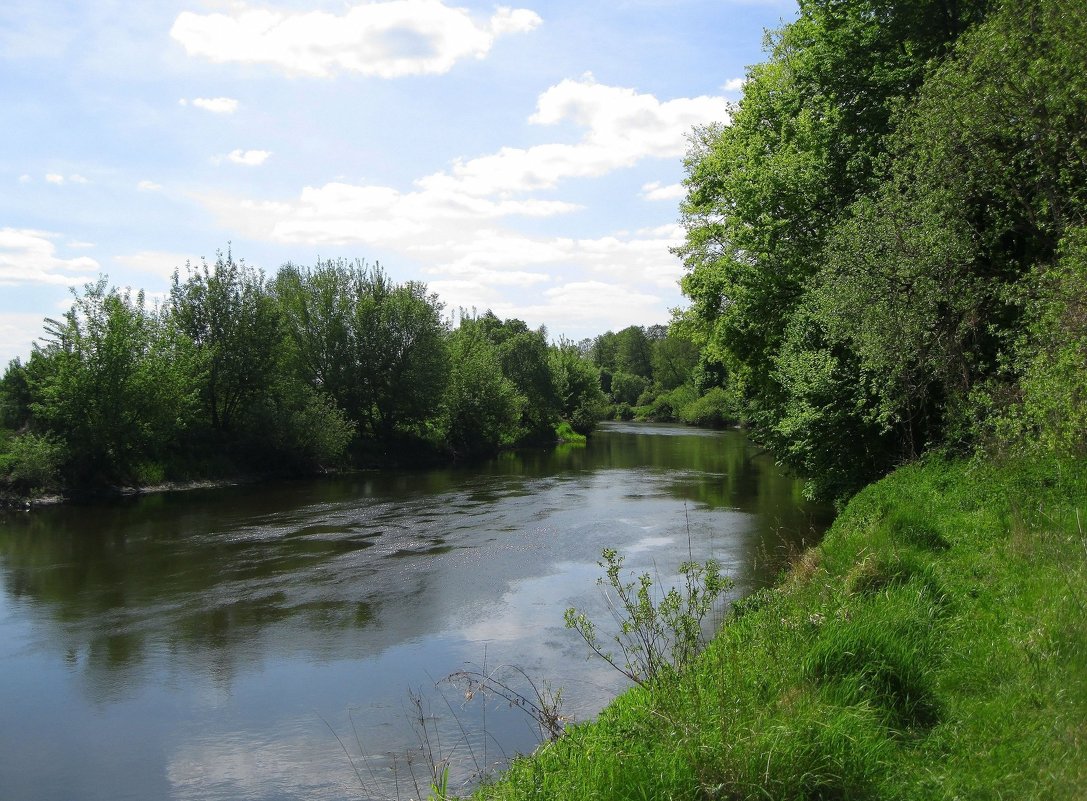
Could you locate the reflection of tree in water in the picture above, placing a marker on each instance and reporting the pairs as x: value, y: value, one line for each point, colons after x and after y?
x: 213, y: 582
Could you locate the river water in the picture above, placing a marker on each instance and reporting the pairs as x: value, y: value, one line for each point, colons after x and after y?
x: 265, y: 642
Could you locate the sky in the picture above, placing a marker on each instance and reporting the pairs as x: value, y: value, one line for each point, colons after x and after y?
x: 525, y: 158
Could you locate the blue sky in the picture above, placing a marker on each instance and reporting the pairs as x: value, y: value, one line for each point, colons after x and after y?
x: 522, y: 158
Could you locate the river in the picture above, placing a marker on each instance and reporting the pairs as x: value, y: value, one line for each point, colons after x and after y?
x: 263, y: 641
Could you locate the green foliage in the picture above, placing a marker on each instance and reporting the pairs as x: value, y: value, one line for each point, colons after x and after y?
x: 657, y: 637
x: 116, y: 380
x: 31, y: 463
x: 715, y: 409
x: 1052, y: 410
x: 627, y: 387
x: 669, y: 406
x: 523, y: 354
x: 482, y: 406
x: 233, y: 322
x: 864, y: 239
x: 15, y: 396
x: 378, y: 348
x: 674, y: 360
x: 577, y: 385
x: 302, y: 428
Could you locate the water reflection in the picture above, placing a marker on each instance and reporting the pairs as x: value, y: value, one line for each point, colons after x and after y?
x: 208, y: 632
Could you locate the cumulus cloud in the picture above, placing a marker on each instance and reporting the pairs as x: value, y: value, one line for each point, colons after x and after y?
x: 385, y: 39
x: 216, y: 105
x: 461, y: 224
x: 734, y: 85
x: 28, y: 256
x: 655, y: 191
x: 622, y: 127
x: 250, y: 158
x: 59, y: 180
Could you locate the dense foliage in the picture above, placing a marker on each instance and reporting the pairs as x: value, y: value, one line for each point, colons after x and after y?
x: 882, y: 241
x: 319, y: 367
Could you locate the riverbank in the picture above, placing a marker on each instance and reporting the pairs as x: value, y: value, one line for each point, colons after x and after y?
x: 934, y: 646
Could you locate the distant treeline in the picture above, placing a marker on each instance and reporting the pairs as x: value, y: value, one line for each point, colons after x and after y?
x: 657, y: 373
x: 318, y: 367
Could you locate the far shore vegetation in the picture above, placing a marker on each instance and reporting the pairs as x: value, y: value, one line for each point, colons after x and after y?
x: 317, y: 368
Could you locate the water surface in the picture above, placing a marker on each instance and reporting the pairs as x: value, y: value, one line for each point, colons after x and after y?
x: 261, y: 642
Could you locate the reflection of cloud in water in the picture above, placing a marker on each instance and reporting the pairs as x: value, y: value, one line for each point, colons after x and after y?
x: 648, y: 544
x: 301, y: 763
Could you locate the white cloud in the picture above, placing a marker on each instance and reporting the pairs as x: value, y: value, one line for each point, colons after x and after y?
x: 148, y: 186
x: 734, y: 85
x: 216, y: 105
x: 385, y: 39
x: 58, y: 179
x: 591, y: 305
x: 18, y: 331
x: 160, y: 263
x: 28, y: 256
x: 250, y: 158
x: 459, y: 225
x: 654, y: 191
x: 25, y: 179
x: 622, y: 127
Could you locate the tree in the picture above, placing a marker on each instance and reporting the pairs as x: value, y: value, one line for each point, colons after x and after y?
x: 577, y: 383
x: 523, y: 354
x: 115, y: 381
x: 234, y: 323
x: 766, y: 194
x: 376, y: 347
x: 482, y: 406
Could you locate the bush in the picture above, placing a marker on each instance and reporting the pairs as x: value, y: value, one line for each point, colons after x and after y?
x: 667, y: 406
x: 715, y: 409
x: 32, y: 463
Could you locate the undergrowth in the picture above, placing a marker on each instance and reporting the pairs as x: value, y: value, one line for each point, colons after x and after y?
x: 934, y: 647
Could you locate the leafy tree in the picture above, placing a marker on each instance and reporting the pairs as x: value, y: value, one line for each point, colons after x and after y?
x: 234, y: 323
x: 523, y: 354
x: 674, y: 360
x: 15, y: 396
x: 627, y: 388
x: 925, y: 282
x: 115, y: 380
x: 767, y: 192
x: 482, y: 406
x: 376, y: 347
x: 577, y: 383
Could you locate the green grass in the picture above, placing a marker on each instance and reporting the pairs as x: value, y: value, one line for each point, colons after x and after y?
x: 934, y: 647
x: 564, y: 432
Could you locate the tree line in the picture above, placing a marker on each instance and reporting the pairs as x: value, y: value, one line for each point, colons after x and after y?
x: 886, y: 249
x: 317, y: 367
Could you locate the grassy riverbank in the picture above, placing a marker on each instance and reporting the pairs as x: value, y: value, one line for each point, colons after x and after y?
x: 934, y: 647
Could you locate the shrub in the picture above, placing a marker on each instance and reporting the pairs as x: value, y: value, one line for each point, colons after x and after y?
x: 714, y: 409
x: 33, y: 463
x: 656, y: 636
